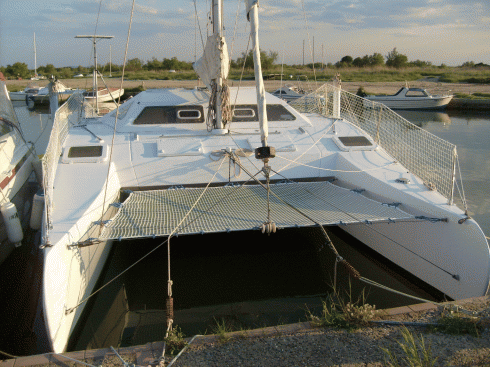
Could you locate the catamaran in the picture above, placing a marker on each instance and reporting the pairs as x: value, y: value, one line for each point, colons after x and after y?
x: 159, y: 166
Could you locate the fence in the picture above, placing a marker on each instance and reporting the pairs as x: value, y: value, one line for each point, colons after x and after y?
x: 69, y: 114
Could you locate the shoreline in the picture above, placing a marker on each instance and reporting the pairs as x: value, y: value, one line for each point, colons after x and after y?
x: 271, y: 85
x: 303, y: 344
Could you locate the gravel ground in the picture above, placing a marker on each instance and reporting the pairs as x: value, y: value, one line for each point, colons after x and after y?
x: 303, y: 345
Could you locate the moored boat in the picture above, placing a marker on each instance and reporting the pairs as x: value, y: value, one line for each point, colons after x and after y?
x: 412, y: 99
x: 161, y: 164
x: 17, y: 184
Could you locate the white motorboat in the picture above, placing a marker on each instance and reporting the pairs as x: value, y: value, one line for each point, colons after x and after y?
x: 288, y: 93
x: 24, y: 94
x: 412, y: 99
x: 159, y: 166
x: 103, y: 94
x: 16, y: 170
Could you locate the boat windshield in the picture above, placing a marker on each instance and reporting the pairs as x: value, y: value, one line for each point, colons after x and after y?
x: 249, y: 113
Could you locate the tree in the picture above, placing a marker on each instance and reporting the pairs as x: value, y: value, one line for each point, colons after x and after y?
x: 134, y: 65
x: 154, y: 64
x: 396, y: 59
x: 17, y: 70
x: 266, y: 61
x: 376, y: 59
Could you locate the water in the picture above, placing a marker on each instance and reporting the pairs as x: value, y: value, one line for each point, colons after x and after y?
x: 253, y: 280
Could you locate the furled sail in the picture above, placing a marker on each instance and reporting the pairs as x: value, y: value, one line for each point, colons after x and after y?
x: 214, y: 63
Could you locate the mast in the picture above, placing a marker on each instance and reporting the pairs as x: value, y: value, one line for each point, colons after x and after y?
x: 95, y: 38
x: 252, y: 8
x: 218, y: 30
x: 35, y: 57
x: 110, y: 61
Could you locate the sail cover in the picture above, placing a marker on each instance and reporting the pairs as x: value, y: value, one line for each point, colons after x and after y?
x: 228, y: 208
x: 214, y: 62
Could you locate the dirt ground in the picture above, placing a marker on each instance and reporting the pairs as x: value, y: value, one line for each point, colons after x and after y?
x: 433, y: 87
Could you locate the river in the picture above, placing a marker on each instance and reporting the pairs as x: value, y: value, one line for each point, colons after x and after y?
x: 249, y: 280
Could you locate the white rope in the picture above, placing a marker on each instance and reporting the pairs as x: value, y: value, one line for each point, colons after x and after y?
x: 336, y: 170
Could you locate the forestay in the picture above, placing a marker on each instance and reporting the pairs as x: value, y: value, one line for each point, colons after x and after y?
x: 228, y: 208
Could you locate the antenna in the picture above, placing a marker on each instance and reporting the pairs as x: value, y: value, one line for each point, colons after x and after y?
x: 95, y: 38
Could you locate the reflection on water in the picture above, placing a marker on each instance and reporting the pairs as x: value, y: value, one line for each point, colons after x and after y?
x: 422, y: 118
x: 253, y: 280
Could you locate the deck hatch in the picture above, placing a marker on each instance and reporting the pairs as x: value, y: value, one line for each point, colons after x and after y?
x: 223, y: 209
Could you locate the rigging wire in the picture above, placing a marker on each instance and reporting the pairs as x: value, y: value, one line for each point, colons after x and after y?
x: 117, y: 115
x: 309, y: 41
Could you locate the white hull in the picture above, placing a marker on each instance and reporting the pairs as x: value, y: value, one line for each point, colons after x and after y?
x: 414, y: 103
x: 16, y: 167
x: 152, y: 153
x: 104, y: 96
x: 461, y: 270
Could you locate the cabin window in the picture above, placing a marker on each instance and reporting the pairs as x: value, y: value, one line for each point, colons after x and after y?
x: 355, y: 141
x: 188, y: 114
x: 156, y: 115
x: 416, y: 93
x: 243, y: 112
x: 85, y: 151
x: 249, y: 113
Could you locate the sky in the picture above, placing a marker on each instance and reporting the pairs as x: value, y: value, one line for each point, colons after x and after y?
x: 440, y: 31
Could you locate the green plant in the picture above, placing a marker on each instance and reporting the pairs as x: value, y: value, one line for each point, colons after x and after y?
x: 417, y: 353
x: 175, y: 341
x: 221, y: 329
x: 343, y: 314
x: 457, y: 324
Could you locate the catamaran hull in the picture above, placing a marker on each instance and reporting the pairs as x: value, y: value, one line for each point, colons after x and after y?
x: 451, y: 257
x: 70, y: 276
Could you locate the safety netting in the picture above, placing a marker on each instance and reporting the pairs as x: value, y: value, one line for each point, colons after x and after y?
x: 231, y: 208
x: 422, y: 153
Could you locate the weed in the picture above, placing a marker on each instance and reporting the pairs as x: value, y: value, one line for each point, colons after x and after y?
x: 221, y: 329
x: 417, y: 353
x: 456, y: 324
x: 344, y: 314
x: 175, y: 341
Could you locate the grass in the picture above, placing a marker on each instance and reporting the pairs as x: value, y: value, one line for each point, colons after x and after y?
x: 416, y: 352
x: 455, y: 323
x: 342, y: 314
x: 175, y: 341
x: 347, y: 74
x: 475, y: 96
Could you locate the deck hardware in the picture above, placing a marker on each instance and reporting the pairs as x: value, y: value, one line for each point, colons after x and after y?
x: 116, y: 205
x: 176, y: 187
x: 464, y: 219
x: 432, y: 220
x: 403, y: 180
x: 102, y: 222
x: 359, y: 191
x: 368, y: 222
x: 88, y: 242
x: 395, y: 204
